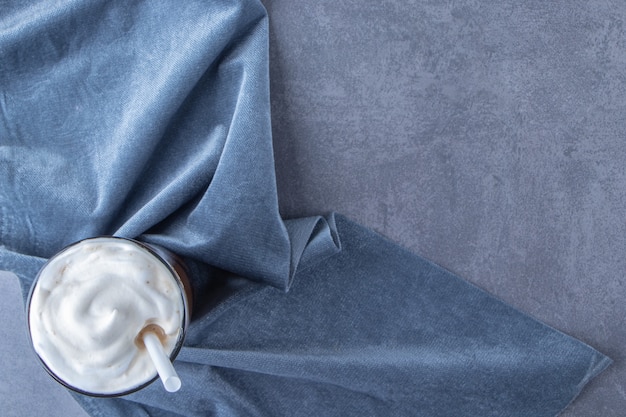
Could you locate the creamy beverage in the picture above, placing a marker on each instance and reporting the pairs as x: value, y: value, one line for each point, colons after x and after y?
x: 91, y: 306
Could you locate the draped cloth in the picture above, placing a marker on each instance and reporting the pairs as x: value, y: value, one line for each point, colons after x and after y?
x: 151, y: 120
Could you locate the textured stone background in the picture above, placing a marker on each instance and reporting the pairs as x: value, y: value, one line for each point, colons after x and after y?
x: 487, y: 136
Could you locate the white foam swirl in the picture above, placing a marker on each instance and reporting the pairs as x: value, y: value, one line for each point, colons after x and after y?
x: 88, y: 306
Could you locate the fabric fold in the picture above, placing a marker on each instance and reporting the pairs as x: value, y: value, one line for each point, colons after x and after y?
x: 373, y: 330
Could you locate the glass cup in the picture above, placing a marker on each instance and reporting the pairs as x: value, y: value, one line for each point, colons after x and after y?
x: 91, y: 305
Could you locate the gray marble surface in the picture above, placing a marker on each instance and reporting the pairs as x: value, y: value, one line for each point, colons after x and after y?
x: 489, y: 137
x: 486, y: 136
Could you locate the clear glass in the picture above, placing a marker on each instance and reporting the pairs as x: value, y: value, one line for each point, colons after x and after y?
x: 178, y: 272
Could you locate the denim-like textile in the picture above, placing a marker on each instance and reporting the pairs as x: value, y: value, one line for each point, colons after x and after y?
x: 152, y: 120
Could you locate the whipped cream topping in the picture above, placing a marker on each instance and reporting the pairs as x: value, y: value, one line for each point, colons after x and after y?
x: 90, y: 303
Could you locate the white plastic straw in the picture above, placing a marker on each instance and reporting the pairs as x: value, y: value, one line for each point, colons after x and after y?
x: 164, y: 367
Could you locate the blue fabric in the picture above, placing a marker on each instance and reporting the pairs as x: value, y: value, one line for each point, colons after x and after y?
x: 151, y: 120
